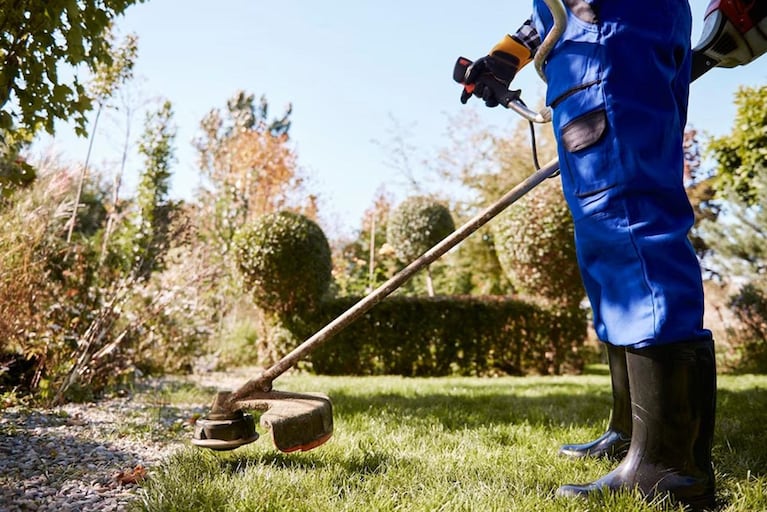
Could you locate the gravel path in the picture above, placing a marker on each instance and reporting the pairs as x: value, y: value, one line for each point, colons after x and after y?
x: 87, y: 457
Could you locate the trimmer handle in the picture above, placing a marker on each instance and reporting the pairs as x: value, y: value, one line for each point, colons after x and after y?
x: 460, y: 70
x: 507, y: 98
x: 504, y: 96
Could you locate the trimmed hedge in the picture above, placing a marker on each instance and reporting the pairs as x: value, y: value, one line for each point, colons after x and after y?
x: 467, y: 335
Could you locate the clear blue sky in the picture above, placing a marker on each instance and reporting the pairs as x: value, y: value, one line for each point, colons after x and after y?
x: 349, y: 68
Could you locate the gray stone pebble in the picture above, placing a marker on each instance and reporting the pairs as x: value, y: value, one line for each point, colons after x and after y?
x: 72, y: 458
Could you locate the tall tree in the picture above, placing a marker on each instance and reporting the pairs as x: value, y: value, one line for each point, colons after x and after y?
x: 741, y: 156
x: 109, y: 76
x: 739, y: 235
x: 487, y: 162
x: 738, y: 238
x: 699, y: 182
x: 248, y: 165
x: 36, y: 38
x: 367, y: 261
x: 146, y: 239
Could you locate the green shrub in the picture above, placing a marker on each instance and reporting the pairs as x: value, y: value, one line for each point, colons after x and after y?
x: 285, y: 261
x: 166, y: 324
x: 535, y: 245
x: 423, y: 336
x: 416, y: 225
x: 49, y: 291
x: 750, y: 338
x: 15, y: 173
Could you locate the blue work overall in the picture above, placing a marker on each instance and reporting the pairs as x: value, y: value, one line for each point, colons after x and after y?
x: 618, y: 83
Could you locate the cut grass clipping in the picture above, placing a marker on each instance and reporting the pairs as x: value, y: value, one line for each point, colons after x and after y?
x: 452, y: 444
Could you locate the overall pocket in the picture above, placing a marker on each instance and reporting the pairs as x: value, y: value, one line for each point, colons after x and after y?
x: 589, y: 160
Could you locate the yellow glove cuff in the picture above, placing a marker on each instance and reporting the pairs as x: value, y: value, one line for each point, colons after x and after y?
x: 513, y: 47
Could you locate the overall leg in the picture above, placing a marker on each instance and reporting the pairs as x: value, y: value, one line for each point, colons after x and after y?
x: 619, y: 129
x: 614, y: 443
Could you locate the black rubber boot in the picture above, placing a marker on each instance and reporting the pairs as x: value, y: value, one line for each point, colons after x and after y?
x: 614, y: 443
x: 673, y: 397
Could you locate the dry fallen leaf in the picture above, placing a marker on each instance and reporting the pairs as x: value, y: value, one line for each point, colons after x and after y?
x: 133, y: 476
x: 77, y: 420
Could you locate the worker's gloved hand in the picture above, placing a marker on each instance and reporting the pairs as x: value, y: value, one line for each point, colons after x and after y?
x: 491, y: 77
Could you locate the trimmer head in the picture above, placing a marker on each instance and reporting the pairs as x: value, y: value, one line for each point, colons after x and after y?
x: 223, y: 432
x: 298, y: 421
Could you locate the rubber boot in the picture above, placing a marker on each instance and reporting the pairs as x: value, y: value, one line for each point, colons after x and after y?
x: 614, y: 443
x: 673, y: 397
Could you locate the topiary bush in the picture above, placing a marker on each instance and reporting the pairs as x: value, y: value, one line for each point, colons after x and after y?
x: 285, y: 262
x: 535, y: 244
x: 416, y: 225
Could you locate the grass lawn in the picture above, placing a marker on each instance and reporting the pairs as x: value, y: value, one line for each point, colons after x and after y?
x: 451, y: 444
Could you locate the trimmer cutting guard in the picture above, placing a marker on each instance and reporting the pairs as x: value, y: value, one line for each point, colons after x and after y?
x: 297, y: 421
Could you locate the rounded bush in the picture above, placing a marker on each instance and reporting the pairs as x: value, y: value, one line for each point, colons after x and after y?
x: 285, y: 261
x: 416, y: 225
x: 535, y: 244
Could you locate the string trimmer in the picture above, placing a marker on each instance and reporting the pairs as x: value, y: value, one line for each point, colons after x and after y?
x: 302, y: 421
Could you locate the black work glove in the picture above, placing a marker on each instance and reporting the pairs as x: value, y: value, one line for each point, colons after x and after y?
x: 491, y: 77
